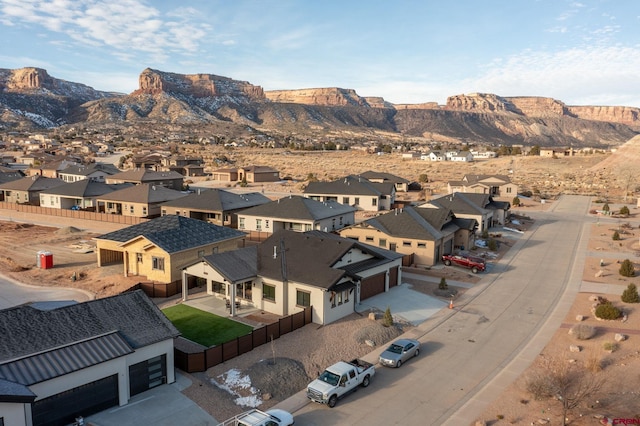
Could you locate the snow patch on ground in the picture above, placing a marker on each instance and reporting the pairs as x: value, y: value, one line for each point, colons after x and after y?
x: 240, y: 386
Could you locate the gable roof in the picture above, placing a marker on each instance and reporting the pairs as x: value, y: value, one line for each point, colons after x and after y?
x: 146, y: 175
x: 463, y: 203
x: 387, y: 177
x: 175, y: 233
x: 235, y: 265
x: 144, y: 193
x: 350, y: 185
x: 85, y: 188
x: 10, y: 175
x: 137, y: 320
x: 86, y: 170
x: 486, y: 179
x: 32, y: 183
x: 413, y: 223
x: 219, y: 200
x: 295, y: 207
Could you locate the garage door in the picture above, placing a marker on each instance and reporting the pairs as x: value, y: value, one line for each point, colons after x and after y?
x: 393, y: 277
x: 371, y: 286
x: 63, y: 408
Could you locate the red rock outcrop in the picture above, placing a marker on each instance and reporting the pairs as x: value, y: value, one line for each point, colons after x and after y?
x: 617, y: 114
x: 479, y: 102
x: 27, y: 78
x: 196, y: 85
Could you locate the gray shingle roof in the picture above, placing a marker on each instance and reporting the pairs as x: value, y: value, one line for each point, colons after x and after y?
x: 144, y: 193
x: 414, y: 223
x: 350, y: 185
x: 145, y: 175
x: 26, y: 331
x: 299, y: 208
x: 175, y: 233
x: 15, y: 392
x: 86, y: 170
x: 384, y: 176
x: 218, y: 200
x: 32, y: 183
x: 235, y: 265
x: 460, y: 203
x: 85, y: 188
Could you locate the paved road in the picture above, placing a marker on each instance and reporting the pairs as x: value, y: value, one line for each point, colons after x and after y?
x: 13, y: 293
x: 474, y: 351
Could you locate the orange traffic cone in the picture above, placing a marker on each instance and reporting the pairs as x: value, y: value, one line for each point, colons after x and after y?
x: 451, y: 304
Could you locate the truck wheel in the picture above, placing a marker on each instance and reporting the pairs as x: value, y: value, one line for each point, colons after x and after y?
x: 447, y: 262
x: 332, y: 401
x: 474, y: 270
x: 366, y: 381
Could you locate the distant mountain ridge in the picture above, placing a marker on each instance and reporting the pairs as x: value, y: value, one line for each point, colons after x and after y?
x: 30, y: 98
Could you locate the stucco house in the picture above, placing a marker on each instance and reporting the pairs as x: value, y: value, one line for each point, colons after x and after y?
x: 293, y: 270
x: 480, y: 207
x: 81, y: 194
x: 61, y: 360
x: 494, y: 185
x: 158, y: 249
x: 250, y: 174
x: 171, y: 180
x: 296, y: 213
x: 144, y: 200
x: 214, y: 205
x: 27, y: 190
x: 94, y: 171
x: 354, y: 191
x: 423, y: 234
x: 401, y: 184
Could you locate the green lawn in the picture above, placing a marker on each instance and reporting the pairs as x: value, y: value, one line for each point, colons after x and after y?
x: 204, y: 327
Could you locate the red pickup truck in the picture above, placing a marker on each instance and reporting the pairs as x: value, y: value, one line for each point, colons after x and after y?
x: 466, y: 260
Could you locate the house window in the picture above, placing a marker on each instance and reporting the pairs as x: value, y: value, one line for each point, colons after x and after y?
x: 307, y: 227
x: 131, y: 209
x: 406, y: 244
x: 139, y: 257
x: 368, y: 238
x: 215, y: 250
x: 241, y: 223
x: 266, y: 223
x: 374, y: 202
x: 340, y: 221
x: 508, y: 190
x: 200, y: 253
x: 295, y: 226
x: 382, y: 242
x: 144, y: 210
x: 269, y: 292
x: 259, y: 224
x: 333, y: 224
x: 345, y: 200
x: 339, y: 297
x: 157, y: 263
x: 422, y: 245
x: 356, y: 201
x: 303, y: 298
x: 164, y: 212
x: 51, y: 200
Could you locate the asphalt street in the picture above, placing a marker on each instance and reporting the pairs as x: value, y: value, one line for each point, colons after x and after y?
x: 474, y: 351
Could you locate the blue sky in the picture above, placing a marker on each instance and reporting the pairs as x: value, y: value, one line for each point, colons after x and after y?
x: 579, y: 52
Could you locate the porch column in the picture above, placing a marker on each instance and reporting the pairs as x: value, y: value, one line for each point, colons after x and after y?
x: 232, y: 299
x: 185, y: 287
x: 386, y: 281
x: 126, y: 263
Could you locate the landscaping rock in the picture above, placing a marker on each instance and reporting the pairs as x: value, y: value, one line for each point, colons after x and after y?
x: 580, y: 317
x: 620, y: 337
x: 575, y: 348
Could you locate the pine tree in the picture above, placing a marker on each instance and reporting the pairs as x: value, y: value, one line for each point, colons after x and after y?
x: 630, y: 295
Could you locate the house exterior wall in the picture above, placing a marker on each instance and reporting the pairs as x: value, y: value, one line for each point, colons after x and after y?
x: 317, y: 298
x: 424, y: 251
x: 13, y: 414
x: 22, y: 197
x: 508, y: 190
x: 272, y: 224
x: 263, y: 177
x: 363, y: 202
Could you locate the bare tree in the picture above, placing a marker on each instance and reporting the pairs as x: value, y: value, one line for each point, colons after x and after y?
x: 568, y: 383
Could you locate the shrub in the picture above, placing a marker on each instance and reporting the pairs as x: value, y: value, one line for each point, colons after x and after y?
x: 582, y: 331
x: 630, y: 295
x: 516, y: 201
x: 387, y: 319
x: 624, y: 210
x: 485, y: 234
x: 616, y: 236
x: 627, y: 269
x: 610, y: 346
x: 492, y: 244
x: 443, y: 284
x: 606, y: 207
x: 607, y: 311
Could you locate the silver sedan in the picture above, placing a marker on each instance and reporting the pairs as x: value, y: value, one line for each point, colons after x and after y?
x: 399, y: 351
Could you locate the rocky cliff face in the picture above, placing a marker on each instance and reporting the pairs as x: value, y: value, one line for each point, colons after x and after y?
x: 330, y: 96
x: 615, y: 114
x: 153, y: 82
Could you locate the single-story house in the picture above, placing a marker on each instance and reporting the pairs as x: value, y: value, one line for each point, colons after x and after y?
x: 354, y: 191
x: 27, y: 190
x: 158, y: 249
x: 250, y: 174
x: 423, y: 234
x: 401, y: 184
x: 494, y: 185
x: 296, y: 213
x: 94, y: 171
x: 480, y: 207
x: 82, y: 194
x: 171, y: 180
x: 144, y: 200
x: 214, y: 205
x: 61, y: 360
x: 290, y: 271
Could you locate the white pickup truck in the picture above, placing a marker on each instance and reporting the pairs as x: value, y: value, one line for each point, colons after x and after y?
x: 340, y: 379
x: 255, y: 417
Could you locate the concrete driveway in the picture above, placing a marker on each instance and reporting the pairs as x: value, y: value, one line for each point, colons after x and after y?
x: 13, y: 293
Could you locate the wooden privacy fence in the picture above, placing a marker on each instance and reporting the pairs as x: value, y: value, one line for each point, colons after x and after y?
x: 193, y: 358
x: 72, y: 214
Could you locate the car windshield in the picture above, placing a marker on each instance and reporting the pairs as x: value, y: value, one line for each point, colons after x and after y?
x: 330, y: 378
x: 396, y: 349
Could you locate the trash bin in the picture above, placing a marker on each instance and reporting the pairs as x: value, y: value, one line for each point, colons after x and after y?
x: 45, y: 260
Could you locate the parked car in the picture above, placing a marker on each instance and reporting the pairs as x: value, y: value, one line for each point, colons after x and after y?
x: 399, y: 352
x: 255, y: 417
x: 466, y: 260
